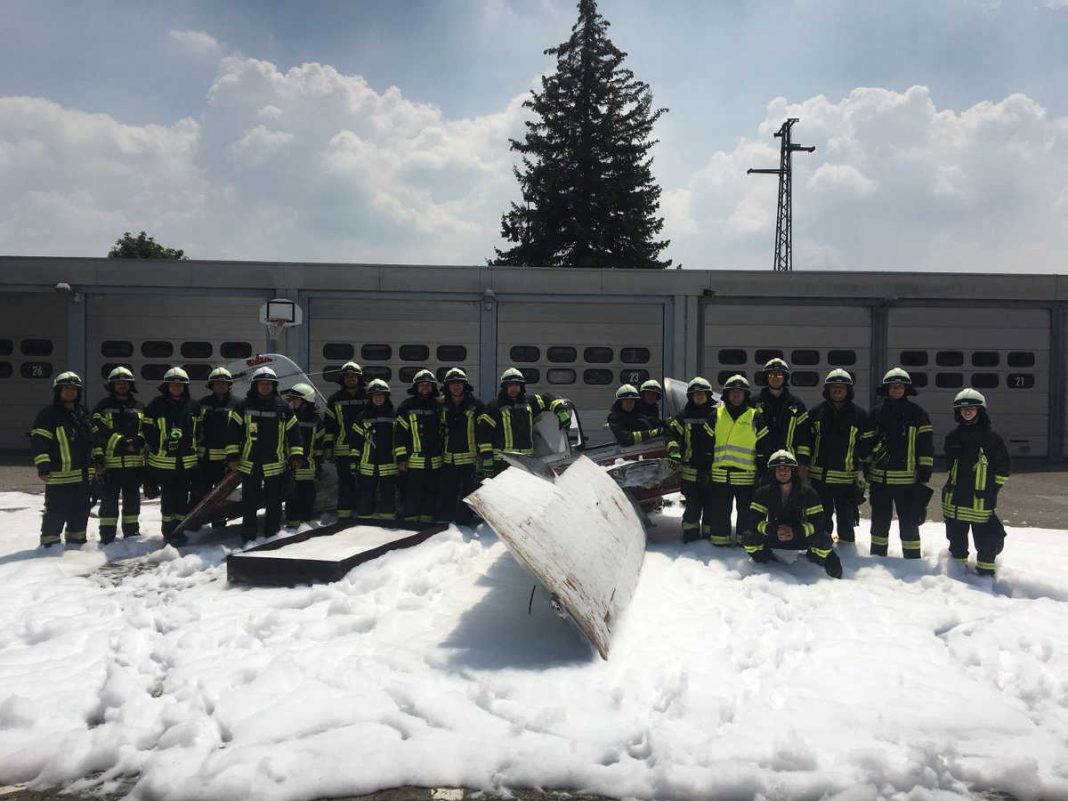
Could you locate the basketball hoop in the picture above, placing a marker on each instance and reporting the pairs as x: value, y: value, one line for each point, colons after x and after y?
x: 277, y: 315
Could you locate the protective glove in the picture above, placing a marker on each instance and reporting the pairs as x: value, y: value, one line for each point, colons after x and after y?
x: 674, y: 459
x: 923, y: 474
x: 564, y: 416
x: 484, y: 468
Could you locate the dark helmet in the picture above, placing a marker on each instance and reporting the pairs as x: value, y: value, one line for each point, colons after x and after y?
x: 121, y: 373
x: 423, y: 376
x: 627, y: 391
x: 781, y: 458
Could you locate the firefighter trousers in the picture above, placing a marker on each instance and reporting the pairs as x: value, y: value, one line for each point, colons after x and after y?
x: 457, y: 482
x: 839, y: 502
x: 211, y: 473
x: 421, y: 489
x: 376, y: 497
x: 124, y: 483
x: 697, y: 507
x: 66, y: 505
x: 723, y: 496
x: 259, y: 490
x: 884, y: 499
x: 300, y: 506
x: 176, y: 493
x: 989, y: 539
x: 347, y: 484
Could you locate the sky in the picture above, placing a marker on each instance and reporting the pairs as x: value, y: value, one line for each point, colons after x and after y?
x: 374, y: 131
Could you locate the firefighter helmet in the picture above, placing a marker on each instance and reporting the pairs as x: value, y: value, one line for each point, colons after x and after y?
x: 838, y: 376
x: 303, y: 391
x: 513, y: 376
x: 455, y: 374
x: 120, y: 373
x: 896, y: 375
x: 736, y: 381
x: 176, y: 375
x: 265, y: 374
x: 652, y: 385
x: 698, y: 384
x: 421, y: 377
x: 68, y: 379
x: 349, y: 368
x: 776, y: 365
x: 781, y: 458
x: 969, y: 397
x: 627, y: 391
x: 377, y: 385
x: 220, y: 374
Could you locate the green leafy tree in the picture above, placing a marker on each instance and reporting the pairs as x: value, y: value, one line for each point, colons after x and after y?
x: 589, y: 199
x: 142, y: 246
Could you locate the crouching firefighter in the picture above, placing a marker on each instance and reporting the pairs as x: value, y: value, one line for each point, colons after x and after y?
x: 119, y: 423
x: 691, y: 438
x: 901, y: 462
x: 172, y: 434
x: 460, y: 413
x: 343, y: 409
x: 508, y: 422
x: 67, y: 459
x: 375, y: 446
x: 267, y: 442
x: 978, y: 465
x: 788, y: 515
x: 739, y: 459
x: 421, y: 439
x: 217, y: 427
x: 628, y: 423
x: 300, y: 506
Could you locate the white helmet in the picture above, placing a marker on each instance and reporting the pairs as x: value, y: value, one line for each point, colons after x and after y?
x: 969, y: 397
x: 176, y: 375
x: 303, y: 391
x: 265, y: 374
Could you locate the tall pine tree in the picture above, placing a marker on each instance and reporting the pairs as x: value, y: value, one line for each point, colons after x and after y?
x: 589, y: 199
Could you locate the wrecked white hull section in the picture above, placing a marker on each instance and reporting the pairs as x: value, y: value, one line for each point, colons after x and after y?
x: 579, y: 535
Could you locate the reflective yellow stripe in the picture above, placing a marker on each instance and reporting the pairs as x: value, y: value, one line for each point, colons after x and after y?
x: 43, y: 432
x: 64, y: 449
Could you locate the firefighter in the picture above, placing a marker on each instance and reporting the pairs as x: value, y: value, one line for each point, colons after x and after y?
x: 300, y: 506
x: 375, y: 447
x: 841, y: 442
x: 460, y: 413
x: 785, y: 415
x: 651, y: 393
x: 788, y: 515
x: 118, y: 420
x: 67, y: 459
x: 343, y: 409
x: 507, y: 424
x: 978, y: 465
x: 173, y: 437
x: 691, y: 437
x: 901, y: 459
x: 739, y: 459
x: 266, y: 442
x: 216, y: 423
x: 422, y: 440
x: 626, y: 420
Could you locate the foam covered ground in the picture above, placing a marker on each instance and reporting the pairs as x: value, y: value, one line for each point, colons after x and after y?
x: 904, y: 680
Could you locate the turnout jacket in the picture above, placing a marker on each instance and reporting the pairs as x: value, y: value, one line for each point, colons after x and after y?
x: 802, y: 512
x: 507, y: 424
x: 266, y: 434
x: 462, y: 446
x: 630, y: 428
x: 343, y: 409
x: 421, y: 433
x: 64, y: 448
x: 691, y: 436
x: 904, y: 442
x: 787, y: 420
x: 119, y: 428
x: 217, y: 425
x: 978, y: 465
x: 172, y: 432
x: 841, y: 442
x: 740, y: 451
x: 374, y: 441
x: 310, y: 429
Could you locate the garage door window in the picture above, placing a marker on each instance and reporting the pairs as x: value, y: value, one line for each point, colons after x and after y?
x: 949, y: 358
x: 597, y: 355
x: 919, y: 380
x: 731, y: 356
x: 440, y: 373
x: 762, y: 357
x: 154, y: 372
x: 806, y: 357
x: 524, y: 353
x: 985, y: 358
x: 530, y: 374
x: 36, y: 370
x: 197, y: 372
x: 235, y: 350
x: 157, y: 349
x: 116, y: 349
x: 331, y: 372
x: 36, y: 347
x: 841, y: 358
x: 949, y: 380
x: 635, y: 377
x: 5, y: 370
x: 196, y: 350
x: 1020, y: 381
x: 634, y: 355
x: 597, y: 377
x: 984, y: 380
x: 371, y: 373
x: 408, y: 373
x: 452, y: 353
x: 561, y: 355
x: 414, y: 353
x: 805, y: 378
x: 1021, y: 359
x: 913, y: 358
x: 335, y: 351
x: 560, y: 375
x: 376, y: 353
x: 7, y: 347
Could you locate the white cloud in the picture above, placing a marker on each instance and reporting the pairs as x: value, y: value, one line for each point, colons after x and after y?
x: 198, y: 42
x: 258, y: 145
x: 1055, y: 3
x: 845, y: 178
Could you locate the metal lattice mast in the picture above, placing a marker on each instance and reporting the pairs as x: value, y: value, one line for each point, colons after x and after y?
x: 784, y: 247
